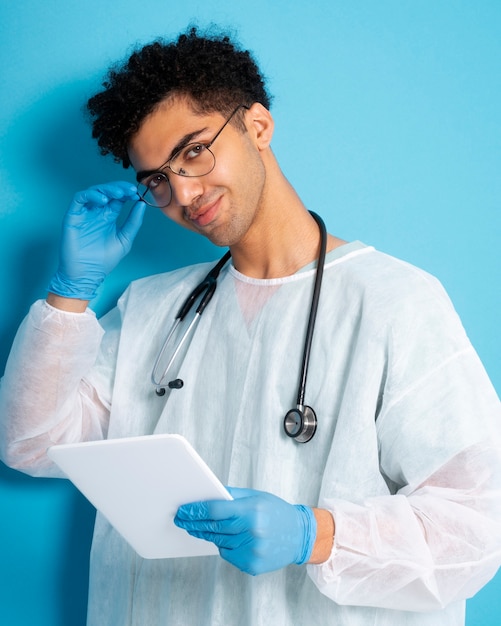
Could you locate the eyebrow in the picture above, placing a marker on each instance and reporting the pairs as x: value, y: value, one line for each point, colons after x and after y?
x: 184, y: 141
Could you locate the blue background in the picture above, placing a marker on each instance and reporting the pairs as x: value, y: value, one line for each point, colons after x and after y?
x: 388, y: 124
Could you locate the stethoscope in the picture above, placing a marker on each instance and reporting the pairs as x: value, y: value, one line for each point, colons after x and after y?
x: 300, y: 423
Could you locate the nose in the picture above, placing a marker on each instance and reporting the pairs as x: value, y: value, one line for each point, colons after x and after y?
x: 185, y: 189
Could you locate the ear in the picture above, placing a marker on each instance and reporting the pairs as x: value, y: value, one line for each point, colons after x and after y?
x: 260, y: 125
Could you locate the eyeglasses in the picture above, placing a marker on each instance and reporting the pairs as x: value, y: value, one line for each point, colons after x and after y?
x: 192, y: 160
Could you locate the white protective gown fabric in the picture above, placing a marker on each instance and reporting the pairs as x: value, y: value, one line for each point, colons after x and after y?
x: 407, y: 455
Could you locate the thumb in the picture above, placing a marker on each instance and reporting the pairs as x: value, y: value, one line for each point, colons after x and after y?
x: 132, y: 224
x: 238, y: 492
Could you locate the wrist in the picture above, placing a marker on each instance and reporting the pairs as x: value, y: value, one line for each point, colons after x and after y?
x: 84, y: 288
x: 324, y: 540
x: 70, y: 305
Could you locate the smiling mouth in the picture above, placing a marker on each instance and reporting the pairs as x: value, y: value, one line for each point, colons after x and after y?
x: 206, y: 214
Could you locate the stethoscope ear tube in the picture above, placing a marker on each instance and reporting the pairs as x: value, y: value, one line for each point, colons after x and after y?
x: 159, y: 382
x: 207, y: 285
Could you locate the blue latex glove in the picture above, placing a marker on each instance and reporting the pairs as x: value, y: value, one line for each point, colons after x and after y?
x: 256, y: 532
x: 92, y: 243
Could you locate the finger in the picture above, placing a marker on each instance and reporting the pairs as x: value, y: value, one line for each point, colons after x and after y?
x: 239, y: 492
x: 228, y: 527
x: 201, y: 527
x: 112, y: 209
x: 231, y: 512
x: 226, y: 542
x: 100, y: 195
x: 211, y: 510
x: 133, y: 222
x: 198, y: 526
x: 119, y: 190
x: 192, y: 511
x: 213, y: 537
x: 96, y: 211
x: 82, y: 199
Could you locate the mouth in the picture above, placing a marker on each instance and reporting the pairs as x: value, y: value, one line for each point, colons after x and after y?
x: 205, y: 215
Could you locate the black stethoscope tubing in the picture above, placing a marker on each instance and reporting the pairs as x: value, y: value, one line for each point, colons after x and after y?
x: 313, y: 310
x: 299, y: 423
x: 209, y: 284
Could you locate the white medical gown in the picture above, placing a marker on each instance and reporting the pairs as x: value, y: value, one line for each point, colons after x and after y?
x: 407, y: 454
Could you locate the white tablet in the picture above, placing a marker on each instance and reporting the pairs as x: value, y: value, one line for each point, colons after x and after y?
x: 138, y: 483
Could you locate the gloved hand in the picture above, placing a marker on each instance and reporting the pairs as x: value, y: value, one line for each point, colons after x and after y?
x: 92, y: 244
x: 256, y: 532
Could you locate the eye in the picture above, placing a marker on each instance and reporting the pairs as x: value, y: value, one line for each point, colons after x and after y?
x: 156, y: 182
x: 193, y: 151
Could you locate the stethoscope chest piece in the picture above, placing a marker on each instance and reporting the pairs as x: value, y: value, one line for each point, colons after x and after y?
x: 300, y: 424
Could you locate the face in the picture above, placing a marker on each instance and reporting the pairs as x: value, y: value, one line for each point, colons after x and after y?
x: 224, y: 204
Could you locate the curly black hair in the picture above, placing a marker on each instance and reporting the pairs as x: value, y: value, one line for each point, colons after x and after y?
x: 211, y: 70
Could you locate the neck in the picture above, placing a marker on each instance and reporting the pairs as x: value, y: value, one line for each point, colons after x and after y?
x: 284, y: 236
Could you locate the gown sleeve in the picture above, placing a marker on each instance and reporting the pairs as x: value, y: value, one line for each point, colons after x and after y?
x: 422, y: 548
x: 44, y: 396
x: 436, y: 538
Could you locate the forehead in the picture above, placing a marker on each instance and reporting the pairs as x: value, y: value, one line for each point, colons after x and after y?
x: 161, y: 130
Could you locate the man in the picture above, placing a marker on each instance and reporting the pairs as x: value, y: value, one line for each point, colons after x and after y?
x: 393, y: 503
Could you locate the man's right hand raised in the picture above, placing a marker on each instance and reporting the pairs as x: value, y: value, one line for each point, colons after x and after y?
x: 92, y: 243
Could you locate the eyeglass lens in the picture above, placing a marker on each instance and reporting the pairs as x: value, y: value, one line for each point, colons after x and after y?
x: 193, y: 160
